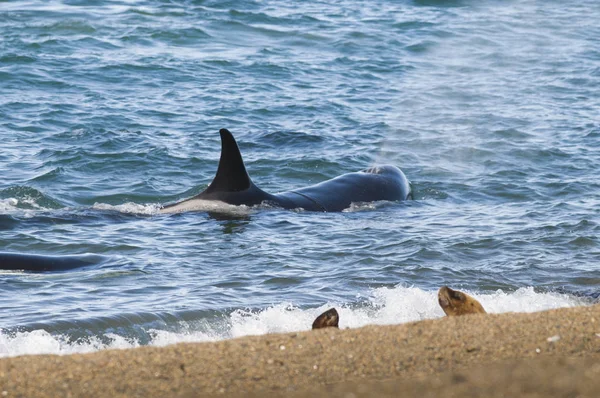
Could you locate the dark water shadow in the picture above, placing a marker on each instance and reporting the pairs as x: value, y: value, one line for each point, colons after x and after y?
x: 231, y: 223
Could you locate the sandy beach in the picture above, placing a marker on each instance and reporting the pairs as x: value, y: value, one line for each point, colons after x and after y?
x: 553, y: 353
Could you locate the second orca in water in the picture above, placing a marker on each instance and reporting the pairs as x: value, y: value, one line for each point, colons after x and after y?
x: 41, y: 263
x: 233, y: 186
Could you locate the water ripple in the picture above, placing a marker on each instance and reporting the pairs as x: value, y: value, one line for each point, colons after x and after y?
x: 108, y: 112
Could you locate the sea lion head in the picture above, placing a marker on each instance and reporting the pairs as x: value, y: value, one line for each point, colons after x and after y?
x: 454, y: 302
x: 329, y: 318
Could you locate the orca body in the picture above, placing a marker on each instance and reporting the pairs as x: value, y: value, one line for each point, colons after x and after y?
x: 233, y: 186
x: 40, y: 263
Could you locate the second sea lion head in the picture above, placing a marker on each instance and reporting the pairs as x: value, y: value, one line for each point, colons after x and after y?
x: 329, y: 318
x: 455, y: 302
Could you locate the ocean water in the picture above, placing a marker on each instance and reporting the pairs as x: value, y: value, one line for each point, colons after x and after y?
x: 110, y: 109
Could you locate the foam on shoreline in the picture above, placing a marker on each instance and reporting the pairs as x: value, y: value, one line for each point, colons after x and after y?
x: 385, y: 306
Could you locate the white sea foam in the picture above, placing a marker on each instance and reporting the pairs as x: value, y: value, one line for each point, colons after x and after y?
x: 385, y: 306
x: 129, y: 208
x: 161, y: 338
x: 41, y: 342
x: 32, y: 202
x: 364, y: 206
x: 8, y: 204
x: 25, y: 207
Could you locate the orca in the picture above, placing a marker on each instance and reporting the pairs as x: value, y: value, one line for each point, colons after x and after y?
x: 41, y: 263
x: 232, y: 185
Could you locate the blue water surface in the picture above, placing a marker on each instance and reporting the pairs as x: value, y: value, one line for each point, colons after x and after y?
x: 109, y: 109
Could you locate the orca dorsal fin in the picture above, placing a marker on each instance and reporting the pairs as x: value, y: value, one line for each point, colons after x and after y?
x: 231, y: 174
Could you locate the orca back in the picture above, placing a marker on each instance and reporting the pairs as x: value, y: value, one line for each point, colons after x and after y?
x: 232, y: 185
x: 41, y: 263
x: 337, y: 194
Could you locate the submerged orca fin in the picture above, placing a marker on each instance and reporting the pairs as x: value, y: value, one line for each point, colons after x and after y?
x: 231, y: 174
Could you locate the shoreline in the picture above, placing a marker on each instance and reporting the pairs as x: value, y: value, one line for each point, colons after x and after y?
x: 430, y: 357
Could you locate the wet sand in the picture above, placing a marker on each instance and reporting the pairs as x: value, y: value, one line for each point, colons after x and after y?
x: 551, y: 354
